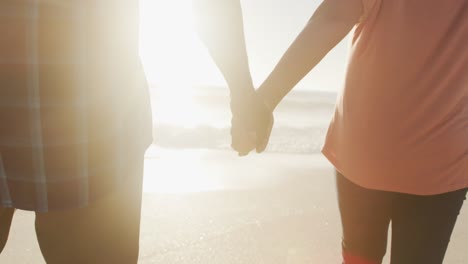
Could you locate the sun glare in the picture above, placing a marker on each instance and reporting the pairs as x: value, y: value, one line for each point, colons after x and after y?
x: 175, y: 60
x: 170, y: 48
x: 181, y: 110
x: 178, y: 171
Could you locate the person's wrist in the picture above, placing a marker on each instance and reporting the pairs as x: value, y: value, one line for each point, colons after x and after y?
x: 240, y: 87
x: 267, y: 99
x: 241, y: 103
x: 242, y: 93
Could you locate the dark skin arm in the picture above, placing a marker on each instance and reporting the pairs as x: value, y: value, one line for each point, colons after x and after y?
x: 220, y: 26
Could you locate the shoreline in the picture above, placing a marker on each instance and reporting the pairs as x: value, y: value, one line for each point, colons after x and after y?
x: 269, y: 208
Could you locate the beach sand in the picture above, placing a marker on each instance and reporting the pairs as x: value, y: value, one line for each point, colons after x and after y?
x: 208, y: 207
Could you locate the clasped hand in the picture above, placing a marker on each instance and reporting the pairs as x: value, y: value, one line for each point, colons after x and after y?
x: 251, y: 124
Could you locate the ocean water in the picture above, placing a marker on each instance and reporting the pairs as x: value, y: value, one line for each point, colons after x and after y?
x: 199, y: 118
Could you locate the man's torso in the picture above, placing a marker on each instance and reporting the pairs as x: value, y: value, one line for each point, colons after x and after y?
x: 73, y: 98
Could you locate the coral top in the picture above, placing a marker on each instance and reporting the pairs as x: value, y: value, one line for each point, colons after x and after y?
x: 401, y: 122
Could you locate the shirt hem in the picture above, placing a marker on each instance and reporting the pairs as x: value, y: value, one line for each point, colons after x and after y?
x: 448, y: 189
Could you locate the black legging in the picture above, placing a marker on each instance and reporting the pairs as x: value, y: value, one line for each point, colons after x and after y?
x: 421, y: 225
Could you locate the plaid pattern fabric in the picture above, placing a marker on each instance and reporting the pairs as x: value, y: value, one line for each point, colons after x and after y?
x: 73, y: 100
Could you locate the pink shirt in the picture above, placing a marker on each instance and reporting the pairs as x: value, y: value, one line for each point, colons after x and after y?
x: 401, y: 123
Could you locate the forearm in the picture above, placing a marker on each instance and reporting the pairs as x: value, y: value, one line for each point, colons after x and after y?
x: 322, y: 33
x: 220, y: 26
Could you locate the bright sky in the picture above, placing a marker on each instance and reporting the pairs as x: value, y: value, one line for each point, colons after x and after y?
x: 173, y: 56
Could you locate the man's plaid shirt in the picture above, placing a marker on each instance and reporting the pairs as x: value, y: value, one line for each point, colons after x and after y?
x: 73, y: 100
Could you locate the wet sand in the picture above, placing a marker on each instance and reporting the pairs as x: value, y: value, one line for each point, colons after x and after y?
x: 274, y: 208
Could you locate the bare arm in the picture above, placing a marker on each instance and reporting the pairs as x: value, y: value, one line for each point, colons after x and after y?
x: 220, y: 26
x: 332, y: 21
